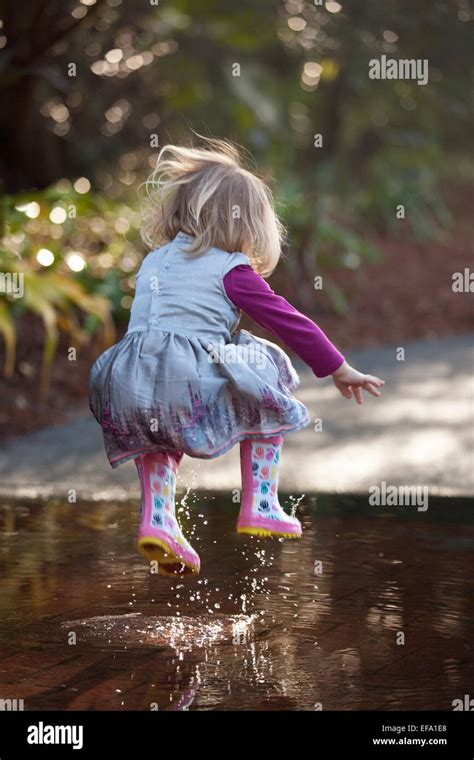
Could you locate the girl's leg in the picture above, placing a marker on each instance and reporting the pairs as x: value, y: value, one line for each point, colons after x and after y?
x: 260, y: 512
x: 160, y: 537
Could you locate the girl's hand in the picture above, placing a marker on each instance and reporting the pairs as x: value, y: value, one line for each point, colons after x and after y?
x: 349, y: 381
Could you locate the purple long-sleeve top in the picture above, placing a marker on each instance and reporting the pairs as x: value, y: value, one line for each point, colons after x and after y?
x: 252, y: 294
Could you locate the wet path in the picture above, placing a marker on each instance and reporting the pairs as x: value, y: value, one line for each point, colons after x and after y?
x: 267, y: 625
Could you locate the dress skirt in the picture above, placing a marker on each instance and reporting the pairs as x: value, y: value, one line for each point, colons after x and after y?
x: 158, y: 390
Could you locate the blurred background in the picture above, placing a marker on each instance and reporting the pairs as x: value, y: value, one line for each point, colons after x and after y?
x: 89, y: 91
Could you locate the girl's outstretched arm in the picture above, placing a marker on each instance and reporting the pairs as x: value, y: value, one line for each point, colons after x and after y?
x: 252, y: 294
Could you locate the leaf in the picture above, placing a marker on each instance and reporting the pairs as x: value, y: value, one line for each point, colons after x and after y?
x: 37, y: 303
x: 94, y: 305
x: 7, y: 328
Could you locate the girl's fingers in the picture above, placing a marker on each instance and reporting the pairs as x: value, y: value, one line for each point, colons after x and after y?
x: 367, y: 382
x: 370, y: 389
x: 373, y: 380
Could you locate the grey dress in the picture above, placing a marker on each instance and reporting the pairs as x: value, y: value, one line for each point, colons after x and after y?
x: 183, y: 379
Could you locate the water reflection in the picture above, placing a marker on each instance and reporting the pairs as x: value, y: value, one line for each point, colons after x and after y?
x: 365, y: 612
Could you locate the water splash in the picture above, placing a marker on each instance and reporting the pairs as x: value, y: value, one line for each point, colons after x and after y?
x: 182, y: 633
x: 294, y: 503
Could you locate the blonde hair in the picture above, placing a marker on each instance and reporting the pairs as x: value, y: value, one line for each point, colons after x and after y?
x: 207, y: 193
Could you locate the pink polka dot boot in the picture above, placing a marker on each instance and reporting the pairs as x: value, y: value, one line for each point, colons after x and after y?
x: 260, y: 512
x: 160, y: 537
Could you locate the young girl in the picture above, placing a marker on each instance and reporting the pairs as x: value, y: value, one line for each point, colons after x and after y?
x: 183, y: 380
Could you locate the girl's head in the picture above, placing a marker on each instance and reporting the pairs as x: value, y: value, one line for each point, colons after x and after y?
x: 207, y: 193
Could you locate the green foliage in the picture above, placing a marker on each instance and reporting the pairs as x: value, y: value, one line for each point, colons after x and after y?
x: 50, y: 288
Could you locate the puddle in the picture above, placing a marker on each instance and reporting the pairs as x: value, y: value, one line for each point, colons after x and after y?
x: 371, y: 609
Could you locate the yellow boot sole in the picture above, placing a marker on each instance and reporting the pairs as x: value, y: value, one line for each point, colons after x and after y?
x: 267, y: 533
x: 169, y: 563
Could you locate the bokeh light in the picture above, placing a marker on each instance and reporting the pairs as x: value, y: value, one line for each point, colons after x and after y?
x: 82, y: 185
x: 45, y: 257
x: 58, y: 215
x: 75, y: 261
x: 31, y: 210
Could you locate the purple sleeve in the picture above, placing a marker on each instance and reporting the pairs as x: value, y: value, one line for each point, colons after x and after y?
x: 249, y: 292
